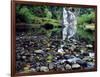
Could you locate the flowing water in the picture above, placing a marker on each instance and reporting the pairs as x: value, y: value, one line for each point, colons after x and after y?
x: 69, y: 23
x: 69, y: 30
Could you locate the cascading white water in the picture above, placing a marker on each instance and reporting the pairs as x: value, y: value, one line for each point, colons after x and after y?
x: 69, y: 23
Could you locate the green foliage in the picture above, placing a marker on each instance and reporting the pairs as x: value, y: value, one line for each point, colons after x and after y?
x: 36, y: 20
x: 85, y: 34
x: 25, y: 14
x: 50, y: 21
x: 28, y: 13
x: 86, y: 11
x: 86, y: 18
x: 38, y: 11
x: 41, y: 31
x: 48, y: 14
x: 85, y: 21
x: 42, y: 21
x: 56, y: 31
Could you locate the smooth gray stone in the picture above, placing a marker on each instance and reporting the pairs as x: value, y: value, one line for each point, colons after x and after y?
x: 51, y: 66
x: 33, y: 69
x: 67, y: 66
x: 90, y: 65
x: 38, y: 51
x: 75, y: 66
x: 73, y: 60
x: 44, y: 69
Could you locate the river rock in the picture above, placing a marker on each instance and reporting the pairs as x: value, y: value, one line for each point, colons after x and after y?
x: 82, y: 63
x: 33, y: 69
x: 63, y: 69
x: 38, y: 51
x: 37, y: 68
x: 38, y: 64
x: 83, y: 49
x: 90, y: 65
x: 61, y: 51
x: 58, y: 57
x: 92, y: 55
x: 62, y: 61
x: 66, y: 56
x: 89, y: 46
x: 60, y: 67
x: 72, y: 47
x: 44, y: 69
x: 87, y: 58
x: 51, y: 65
x: 48, y: 49
x: 18, y: 66
x: 26, y: 69
x: 75, y: 66
x: 67, y: 66
x: 85, y: 54
x: 73, y: 60
x: 23, y: 57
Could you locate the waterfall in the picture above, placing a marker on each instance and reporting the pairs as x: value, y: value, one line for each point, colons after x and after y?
x: 69, y: 23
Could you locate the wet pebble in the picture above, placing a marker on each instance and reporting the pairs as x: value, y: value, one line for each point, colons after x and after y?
x: 51, y: 65
x: 76, y: 66
x: 73, y: 59
x: 38, y: 51
x: 44, y: 69
x: 33, y: 70
x: 67, y: 66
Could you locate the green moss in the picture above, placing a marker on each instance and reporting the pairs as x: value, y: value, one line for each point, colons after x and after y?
x: 49, y: 58
x: 42, y: 21
x: 85, y: 34
x: 86, y: 18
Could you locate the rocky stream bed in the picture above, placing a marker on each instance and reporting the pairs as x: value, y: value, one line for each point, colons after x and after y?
x: 40, y: 54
